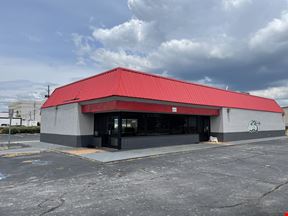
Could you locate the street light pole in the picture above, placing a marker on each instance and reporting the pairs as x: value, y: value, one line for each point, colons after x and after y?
x: 11, y: 112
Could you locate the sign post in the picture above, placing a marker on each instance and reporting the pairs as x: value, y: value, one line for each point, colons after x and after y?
x: 11, y: 112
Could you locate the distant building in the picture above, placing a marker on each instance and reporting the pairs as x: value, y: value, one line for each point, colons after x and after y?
x: 5, y: 121
x: 286, y: 116
x: 29, y: 111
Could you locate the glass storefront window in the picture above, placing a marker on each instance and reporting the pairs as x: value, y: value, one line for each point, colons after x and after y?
x: 129, y: 126
x: 115, y: 123
x: 147, y: 124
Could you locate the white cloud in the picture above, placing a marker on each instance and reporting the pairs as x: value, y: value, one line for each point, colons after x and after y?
x: 280, y: 93
x: 193, y: 49
x: 110, y: 59
x: 230, y: 41
x: 83, y: 46
x: 188, y: 52
x: 210, y: 82
x: 33, y: 77
x: 133, y: 34
x: 38, y: 71
x: 168, y: 32
x: 273, y: 37
x: 234, y: 4
x: 15, y: 90
x: 277, y: 92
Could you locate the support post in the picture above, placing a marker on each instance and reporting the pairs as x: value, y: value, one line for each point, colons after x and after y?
x: 119, y: 131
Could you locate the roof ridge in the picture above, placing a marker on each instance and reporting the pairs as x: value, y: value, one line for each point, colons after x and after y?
x: 192, y: 83
x: 87, y: 78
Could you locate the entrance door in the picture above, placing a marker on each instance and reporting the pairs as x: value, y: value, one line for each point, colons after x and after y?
x: 106, y: 127
x: 204, y: 128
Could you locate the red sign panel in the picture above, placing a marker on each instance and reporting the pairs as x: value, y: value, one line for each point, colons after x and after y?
x: 146, y: 107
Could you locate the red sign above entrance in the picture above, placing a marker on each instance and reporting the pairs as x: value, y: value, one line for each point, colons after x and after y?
x: 132, y: 106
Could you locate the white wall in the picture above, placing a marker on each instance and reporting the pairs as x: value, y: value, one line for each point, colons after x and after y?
x: 237, y: 120
x: 7, y: 121
x: 286, y: 116
x: 216, y: 122
x: 26, y: 110
x: 29, y: 123
x: 66, y: 120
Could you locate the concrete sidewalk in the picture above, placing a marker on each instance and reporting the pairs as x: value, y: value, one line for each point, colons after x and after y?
x: 149, y: 152
x: 111, y: 155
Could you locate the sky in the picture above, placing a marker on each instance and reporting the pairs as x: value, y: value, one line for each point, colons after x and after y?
x: 241, y: 45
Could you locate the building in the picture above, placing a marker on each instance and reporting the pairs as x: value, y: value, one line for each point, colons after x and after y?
x: 286, y: 116
x: 5, y: 120
x: 29, y: 111
x: 126, y: 109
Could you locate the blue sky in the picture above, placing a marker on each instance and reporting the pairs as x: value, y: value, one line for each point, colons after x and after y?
x: 36, y: 42
x: 242, y: 44
x: 41, y: 29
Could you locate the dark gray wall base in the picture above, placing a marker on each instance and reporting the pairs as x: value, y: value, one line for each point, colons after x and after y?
x: 157, y: 141
x: 68, y: 140
x: 226, y: 137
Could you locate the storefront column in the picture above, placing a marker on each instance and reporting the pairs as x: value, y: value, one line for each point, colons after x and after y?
x: 119, y: 130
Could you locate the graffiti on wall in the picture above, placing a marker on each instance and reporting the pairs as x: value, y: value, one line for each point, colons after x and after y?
x: 254, y: 126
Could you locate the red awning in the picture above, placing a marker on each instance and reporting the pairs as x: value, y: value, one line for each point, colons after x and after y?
x: 132, y: 106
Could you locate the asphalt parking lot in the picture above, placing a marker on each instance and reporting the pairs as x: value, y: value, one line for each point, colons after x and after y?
x: 246, y: 180
x: 19, y: 137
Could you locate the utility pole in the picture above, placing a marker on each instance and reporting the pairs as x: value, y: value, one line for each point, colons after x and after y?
x: 11, y: 112
x: 48, y: 92
x: 34, y: 110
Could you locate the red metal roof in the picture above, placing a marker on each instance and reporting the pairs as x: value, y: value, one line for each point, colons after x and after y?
x: 129, y: 83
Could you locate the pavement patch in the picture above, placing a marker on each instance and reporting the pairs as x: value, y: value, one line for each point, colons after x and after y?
x: 12, y: 146
x: 18, y: 154
x: 37, y: 162
x: 82, y: 151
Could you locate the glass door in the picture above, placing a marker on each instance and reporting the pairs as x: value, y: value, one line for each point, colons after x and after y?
x: 204, y: 128
x: 106, y: 127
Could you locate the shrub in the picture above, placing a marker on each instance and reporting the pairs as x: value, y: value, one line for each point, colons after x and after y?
x: 20, y: 129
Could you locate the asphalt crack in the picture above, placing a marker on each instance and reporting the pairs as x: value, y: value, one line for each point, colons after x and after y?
x: 51, y: 204
x: 277, y: 187
x: 225, y: 206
